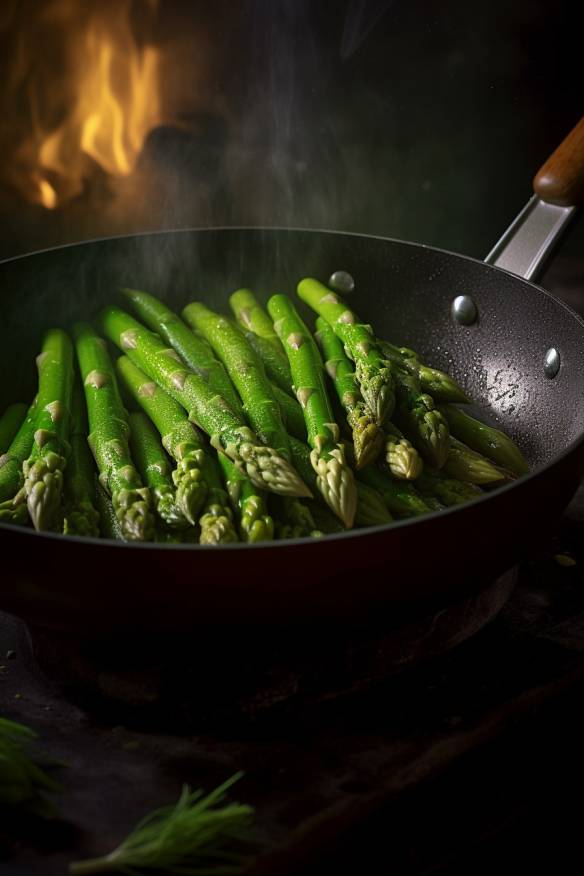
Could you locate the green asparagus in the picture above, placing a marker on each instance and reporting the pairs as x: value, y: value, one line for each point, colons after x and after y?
x: 334, y: 477
x: 11, y: 477
x: 43, y: 470
x: 228, y: 433
x: 373, y: 372
x: 275, y: 364
x: 400, y: 497
x: 401, y: 457
x: 467, y: 465
x: 247, y: 373
x: 10, y: 422
x: 11, y: 513
x: 179, y: 437
x: 372, y: 510
x: 153, y: 466
x: 417, y: 416
x: 252, y: 317
x: 109, y: 525
x: 216, y: 521
x: 259, y: 331
x: 249, y: 503
x: 441, y: 386
x: 448, y: 491
x: 291, y: 413
x: 195, y: 352
x: 491, y: 442
x: 109, y: 434
x: 81, y: 515
x: 367, y: 435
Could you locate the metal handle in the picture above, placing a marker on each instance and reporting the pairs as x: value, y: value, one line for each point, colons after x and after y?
x: 529, y: 241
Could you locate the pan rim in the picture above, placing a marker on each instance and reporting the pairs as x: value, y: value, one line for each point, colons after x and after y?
x: 330, y: 537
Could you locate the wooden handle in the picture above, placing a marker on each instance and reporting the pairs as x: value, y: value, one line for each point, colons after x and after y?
x: 561, y: 179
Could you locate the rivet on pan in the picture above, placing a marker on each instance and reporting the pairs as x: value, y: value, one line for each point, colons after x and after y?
x: 551, y: 363
x: 464, y: 310
x: 341, y: 281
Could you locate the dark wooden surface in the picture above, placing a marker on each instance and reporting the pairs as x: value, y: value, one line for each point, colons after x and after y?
x: 424, y: 770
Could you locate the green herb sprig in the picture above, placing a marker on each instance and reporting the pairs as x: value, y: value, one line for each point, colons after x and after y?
x: 22, y: 782
x: 194, y: 837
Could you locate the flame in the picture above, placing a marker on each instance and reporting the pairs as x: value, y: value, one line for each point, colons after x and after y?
x: 108, y: 104
x: 47, y: 194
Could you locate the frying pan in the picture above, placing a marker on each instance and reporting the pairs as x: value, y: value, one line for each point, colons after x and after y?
x: 407, y: 291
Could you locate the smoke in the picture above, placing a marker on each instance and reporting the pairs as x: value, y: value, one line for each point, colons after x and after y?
x: 360, y: 19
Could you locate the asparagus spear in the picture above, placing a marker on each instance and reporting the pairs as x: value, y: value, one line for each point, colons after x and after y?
x: 491, y: 442
x: 373, y: 372
x: 400, y: 497
x: 467, y: 465
x: 11, y: 477
x: 251, y: 316
x: 228, y: 432
x: 401, y: 457
x: 291, y: 413
x: 324, y: 519
x: 371, y: 508
x: 216, y: 521
x: 367, y: 435
x: 448, y: 491
x: 275, y: 363
x: 11, y: 513
x: 247, y: 373
x: 192, y: 348
x: 81, y: 515
x: 418, y: 417
x: 249, y: 503
x: 109, y: 435
x: 301, y: 456
x: 334, y: 477
x: 43, y: 470
x: 10, y: 422
x: 109, y: 525
x: 259, y: 331
x: 441, y: 386
x: 152, y: 463
x: 179, y: 437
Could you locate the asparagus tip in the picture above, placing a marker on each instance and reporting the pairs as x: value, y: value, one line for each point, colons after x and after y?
x: 42, y: 489
x: 335, y: 481
x: 367, y: 441
x: 404, y: 461
x: 217, y: 526
x: 191, y: 490
x: 83, y: 520
x: 270, y: 471
x: 168, y: 508
x: 256, y: 524
x: 132, y: 509
x: 435, y: 436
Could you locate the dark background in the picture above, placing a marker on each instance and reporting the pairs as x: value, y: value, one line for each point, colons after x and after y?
x: 421, y: 120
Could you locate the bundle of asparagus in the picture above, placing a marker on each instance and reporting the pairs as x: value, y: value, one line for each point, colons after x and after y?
x: 218, y: 429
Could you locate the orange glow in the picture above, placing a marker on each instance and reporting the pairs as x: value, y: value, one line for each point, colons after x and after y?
x: 109, y: 102
x: 47, y: 194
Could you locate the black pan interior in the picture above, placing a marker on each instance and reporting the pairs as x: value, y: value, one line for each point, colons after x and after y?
x: 406, y: 290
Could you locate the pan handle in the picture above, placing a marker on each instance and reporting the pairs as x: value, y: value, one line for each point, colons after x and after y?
x: 559, y: 190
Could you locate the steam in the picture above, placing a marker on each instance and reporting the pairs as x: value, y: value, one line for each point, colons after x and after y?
x: 360, y: 19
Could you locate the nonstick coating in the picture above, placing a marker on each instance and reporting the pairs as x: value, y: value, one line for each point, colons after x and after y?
x: 406, y: 291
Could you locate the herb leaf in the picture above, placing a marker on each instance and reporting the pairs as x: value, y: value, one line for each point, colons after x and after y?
x: 196, y: 836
